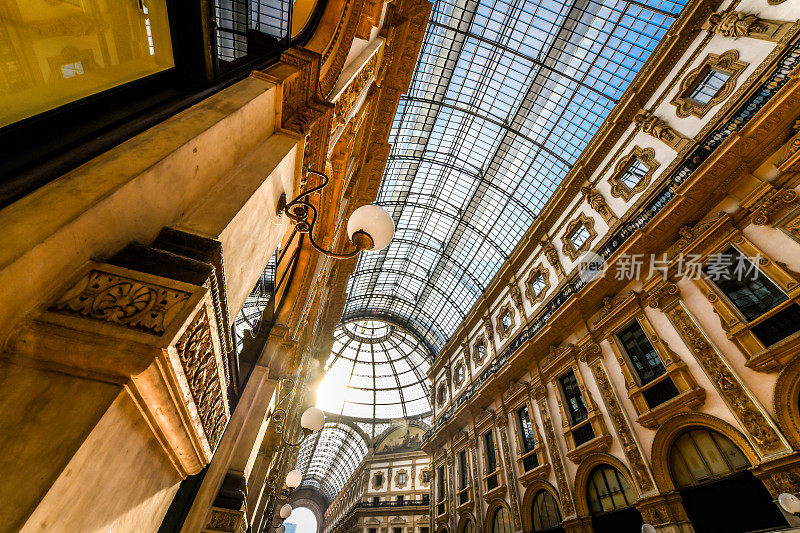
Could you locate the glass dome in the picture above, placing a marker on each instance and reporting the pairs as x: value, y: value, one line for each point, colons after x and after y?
x: 376, y: 370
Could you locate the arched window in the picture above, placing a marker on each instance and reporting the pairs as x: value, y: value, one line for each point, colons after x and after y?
x: 501, y: 523
x: 717, y: 488
x: 545, y: 513
x: 700, y: 456
x: 608, y: 491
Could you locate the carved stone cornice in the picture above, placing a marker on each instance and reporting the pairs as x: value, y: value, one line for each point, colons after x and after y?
x: 612, y: 307
x: 659, y: 291
x: 765, y: 200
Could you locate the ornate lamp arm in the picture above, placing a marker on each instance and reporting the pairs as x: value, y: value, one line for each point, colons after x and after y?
x: 304, y: 215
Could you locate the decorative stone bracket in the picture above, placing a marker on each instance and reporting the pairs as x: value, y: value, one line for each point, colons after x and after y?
x: 156, y: 336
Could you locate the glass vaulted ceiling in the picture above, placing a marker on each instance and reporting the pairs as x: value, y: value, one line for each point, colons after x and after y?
x: 505, y: 96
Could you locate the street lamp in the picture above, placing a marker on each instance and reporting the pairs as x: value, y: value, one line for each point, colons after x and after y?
x: 369, y: 228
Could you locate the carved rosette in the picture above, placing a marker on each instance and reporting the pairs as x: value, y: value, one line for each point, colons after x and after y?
x: 204, y: 376
x: 624, y: 432
x: 555, y: 458
x: 728, y: 385
x: 120, y: 300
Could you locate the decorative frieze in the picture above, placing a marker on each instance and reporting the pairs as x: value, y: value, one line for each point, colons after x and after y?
x: 726, y: 382
x: 120, y: 300
x: 203, y: 374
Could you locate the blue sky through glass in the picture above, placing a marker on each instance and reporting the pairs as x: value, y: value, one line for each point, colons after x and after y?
x: 505, y: 96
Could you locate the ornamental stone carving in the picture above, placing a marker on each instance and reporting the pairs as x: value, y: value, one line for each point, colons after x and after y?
x: 737, y: 24
x: 598, y: 203
x: 128, y: 302
x: 624, y: 432
x: 733, y: 23
x: 552, y: 257
x: 555, y: 457
x: 196, y: 353
x: 655, y: 127
x: 729, y: 387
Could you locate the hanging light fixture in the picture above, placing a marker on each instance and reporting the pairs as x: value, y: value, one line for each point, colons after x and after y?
x: 369, y: 228
x: 789, y: 503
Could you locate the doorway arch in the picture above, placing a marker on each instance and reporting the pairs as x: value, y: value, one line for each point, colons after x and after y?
x: 718, y: 490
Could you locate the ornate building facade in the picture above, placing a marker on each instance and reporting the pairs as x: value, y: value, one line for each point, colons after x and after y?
x: 163, y: 314
x: 389, y: 491
x: 622, y: 368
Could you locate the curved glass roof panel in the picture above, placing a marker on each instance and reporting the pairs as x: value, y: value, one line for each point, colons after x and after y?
x: 376, y: 371
x: 329, y: 458
x: 505, y: 96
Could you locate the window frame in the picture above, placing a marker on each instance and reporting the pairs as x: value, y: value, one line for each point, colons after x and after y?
x: 619, y: 189
x: 567, y: 246
x: 727, y: 62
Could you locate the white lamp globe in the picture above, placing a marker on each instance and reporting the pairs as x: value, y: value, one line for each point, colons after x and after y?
x: 376, y: 222
x: 281, y: 529
x: 313, y: 419
x: 647, y: 528
x: 293, y: 479
x: 286, y: 510
x: 789, y: 502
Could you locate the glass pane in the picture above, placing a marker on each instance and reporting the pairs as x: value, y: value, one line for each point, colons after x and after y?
x: 579, y: 236
x: 699, y: 456
x: 55, y: 53
x: 573, y: 398
x: 491, y: 458
x: 608, y: 491
x: 743, y: 283
x: 708, y: 86
x: 526, y: 429
x: 545, y: 512
x: 634, y: 174
x: 641, y: 353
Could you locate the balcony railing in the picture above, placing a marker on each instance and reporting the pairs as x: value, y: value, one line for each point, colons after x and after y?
x: 393, y: 503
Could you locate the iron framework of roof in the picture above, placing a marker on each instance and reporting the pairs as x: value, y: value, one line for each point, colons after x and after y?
x: 505, y: 96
